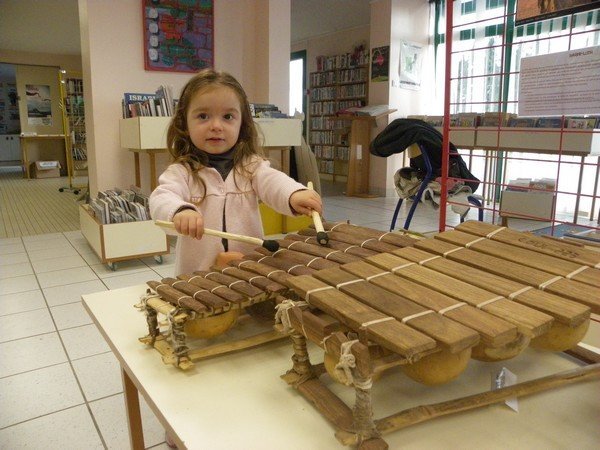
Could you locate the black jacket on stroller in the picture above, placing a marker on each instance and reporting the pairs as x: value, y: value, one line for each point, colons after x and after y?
x: 402, y: 133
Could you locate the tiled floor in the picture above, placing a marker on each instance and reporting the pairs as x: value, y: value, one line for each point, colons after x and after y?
x: 60, y: 385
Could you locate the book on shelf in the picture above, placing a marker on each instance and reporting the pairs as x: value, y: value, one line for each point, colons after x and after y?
x: 118, y: 206
x: 550, y: 122
x: 583, y: 123
x: 496, y: 119
x: 465, y: 119
x: 266, y: 110
x: 159, y: 104
x: 522, y: 122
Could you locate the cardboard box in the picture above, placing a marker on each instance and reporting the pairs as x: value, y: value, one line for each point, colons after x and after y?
x: 44, y: 169
x: 533, y: 205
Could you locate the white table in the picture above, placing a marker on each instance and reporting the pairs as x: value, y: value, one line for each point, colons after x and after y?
x: 238, y: 401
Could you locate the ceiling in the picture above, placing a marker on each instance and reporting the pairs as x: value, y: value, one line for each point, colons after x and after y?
x: 52, y: 26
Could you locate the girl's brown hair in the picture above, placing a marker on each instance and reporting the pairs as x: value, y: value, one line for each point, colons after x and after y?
x: 180, y: 145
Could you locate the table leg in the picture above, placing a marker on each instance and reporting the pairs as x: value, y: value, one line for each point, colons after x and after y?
x: 134, y: 418
x: 25, y: 158
x: 138, y: 179
x: 153, y: 183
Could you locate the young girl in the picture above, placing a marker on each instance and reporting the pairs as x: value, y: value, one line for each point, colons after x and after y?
x: 219, y: 173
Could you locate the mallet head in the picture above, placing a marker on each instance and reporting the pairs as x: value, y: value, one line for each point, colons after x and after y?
x: 272, y: 246
x: 322, y: 238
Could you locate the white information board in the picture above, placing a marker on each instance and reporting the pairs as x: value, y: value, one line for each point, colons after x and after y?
x: 565, y: 83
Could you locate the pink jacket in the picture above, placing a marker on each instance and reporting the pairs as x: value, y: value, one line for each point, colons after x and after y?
x: 177, y: 188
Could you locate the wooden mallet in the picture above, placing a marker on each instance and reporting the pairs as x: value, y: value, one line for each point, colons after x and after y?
x: 272, y: 246
x: 322, y: 237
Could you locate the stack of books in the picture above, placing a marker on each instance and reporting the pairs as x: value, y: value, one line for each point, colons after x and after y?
x: 118, y: 206
x: 159, y: 104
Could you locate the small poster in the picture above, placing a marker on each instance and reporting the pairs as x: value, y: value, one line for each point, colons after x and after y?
x: 39, y: 104
x: 380, y: 64
x: 410, y: 66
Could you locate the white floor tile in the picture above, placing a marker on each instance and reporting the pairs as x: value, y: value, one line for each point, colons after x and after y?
x: 18, y: 284
x: 49, y: 253
x: 12, y: 258
x: 16, y: 270
x: 82, y: 246
x: 166, y: 271
x: 167, y: 259
x: 41, y: 244
x: 123, y: 268
x: 66, y: 276
x: 53, y: 264
x: 111, y: 418
x: 95, y: 387
x: 10, y: 249
x: 36, y: 393
x: 133, y: 279
x: 90, y: 257
x: 83, y: 341
x: 73, y: 235
x: 71, y: 293
x: 31, y: 353
x: 70, y: 315
x: 22, y: 325
x: 21, y: 302
x: 69, y: 429
x: 42, y: 237
x: 9, y: 241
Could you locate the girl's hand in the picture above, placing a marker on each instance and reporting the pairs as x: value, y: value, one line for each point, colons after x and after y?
x: 306, y: 201
x: 189, y: 223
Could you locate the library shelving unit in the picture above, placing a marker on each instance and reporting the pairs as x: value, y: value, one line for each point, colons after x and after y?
x: 496, y: 152
x: 116, y: 242
x: 71, y: 85
x: 340, y: 82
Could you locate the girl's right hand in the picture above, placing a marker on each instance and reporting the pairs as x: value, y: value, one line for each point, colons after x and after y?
x: 189, y: 223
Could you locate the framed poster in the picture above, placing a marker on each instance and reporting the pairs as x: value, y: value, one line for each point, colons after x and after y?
x: 409, y: 68
x: 39, y: 104
x: 178, y: 36
x: 534, y: 10
x: 380, y: 64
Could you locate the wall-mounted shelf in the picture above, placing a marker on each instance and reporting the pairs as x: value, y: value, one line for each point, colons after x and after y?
x: 540, y: 140
x: 531, y: 140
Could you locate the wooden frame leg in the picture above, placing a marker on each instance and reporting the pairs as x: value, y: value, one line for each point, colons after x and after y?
x: 363, y: 411
x: 134, y: 417
x: 301, y: 361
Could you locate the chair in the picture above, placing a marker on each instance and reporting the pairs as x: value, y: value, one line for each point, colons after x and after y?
x: 429, y: 176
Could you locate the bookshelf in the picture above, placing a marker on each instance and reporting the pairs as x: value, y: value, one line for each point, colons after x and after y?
x: 340, y: 82
x: 71, y: 85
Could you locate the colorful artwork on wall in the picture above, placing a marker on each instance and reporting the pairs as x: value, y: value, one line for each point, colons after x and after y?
x: 178, y: 35
x: 380, y: 64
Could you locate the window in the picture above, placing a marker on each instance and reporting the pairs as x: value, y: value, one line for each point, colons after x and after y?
x: 478, y: 77
x: 298, y: 83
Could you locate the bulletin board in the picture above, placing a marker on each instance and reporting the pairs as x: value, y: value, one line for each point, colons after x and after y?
x: 178, y: 35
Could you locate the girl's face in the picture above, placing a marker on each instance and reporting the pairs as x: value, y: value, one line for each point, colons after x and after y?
x: 214, y: 118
